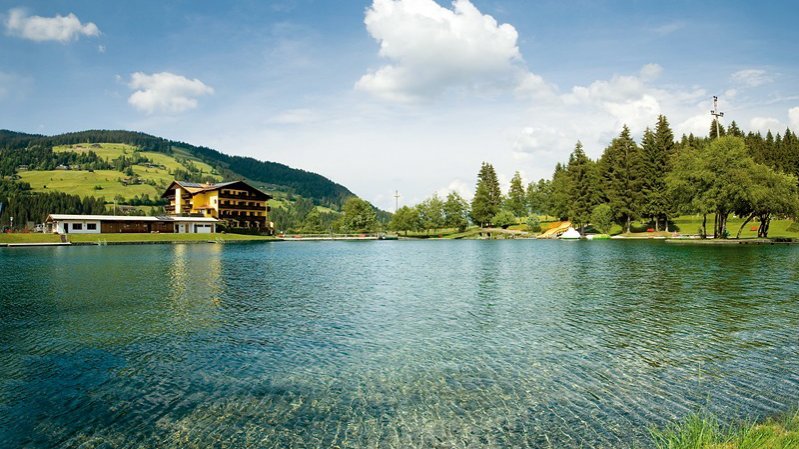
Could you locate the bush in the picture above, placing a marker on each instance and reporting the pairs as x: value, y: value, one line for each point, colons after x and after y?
x: 602, y: 218
x: 533, y: 223
x: 504, y: 218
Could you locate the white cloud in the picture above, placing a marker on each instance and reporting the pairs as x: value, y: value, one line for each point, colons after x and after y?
x: 165, y: 92
x: 59, y: 28
x: 462, y: 188
x: 627, y: 98
x: 431, y: 49
x: 751, y: 77
x: 765, y: 124
x: 698, y: 125
x: 535, y: 87
x: 538, y: 141
x: 793, y: 118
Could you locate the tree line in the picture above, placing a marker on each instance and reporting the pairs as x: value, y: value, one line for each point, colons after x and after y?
x: 728, y: 172
x: 278, y: 176
x: 19, y: 201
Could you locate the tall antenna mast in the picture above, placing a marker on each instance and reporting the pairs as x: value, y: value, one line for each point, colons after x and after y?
x: 716, y: 114
x: 396, y: 200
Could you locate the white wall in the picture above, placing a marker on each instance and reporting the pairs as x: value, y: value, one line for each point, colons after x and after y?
x: 83, y: 230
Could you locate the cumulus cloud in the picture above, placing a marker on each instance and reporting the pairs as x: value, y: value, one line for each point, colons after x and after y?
x: 751, y: 77
x: 462, y: 188
x: 59, y: 28
x: 431, y: 49
x: 765, y: 124
x: 539, y: 141
x: 793, y: 118
x: 630, y: 99
x: 165, y: 92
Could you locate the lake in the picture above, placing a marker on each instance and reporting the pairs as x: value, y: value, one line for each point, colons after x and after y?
x: 407, y: 344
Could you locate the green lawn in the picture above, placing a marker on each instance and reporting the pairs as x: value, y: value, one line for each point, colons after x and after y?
x: 110, y: 238
x: 81, y: 182
x: 164, y: 237
x: 689, y: 224
x: 29, y: 238
x: 107, y: 151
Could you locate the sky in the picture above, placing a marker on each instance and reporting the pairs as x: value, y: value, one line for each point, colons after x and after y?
x: 398, y: 95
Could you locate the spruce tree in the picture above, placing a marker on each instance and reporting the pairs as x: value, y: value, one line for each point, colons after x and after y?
x: 621, y: 169
x: 656, y: 149
x: 516, y: 196
x: 487, y: 196
x: 559, y: 203
x: 583, y: 195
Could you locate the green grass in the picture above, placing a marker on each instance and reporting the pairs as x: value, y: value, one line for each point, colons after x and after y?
x: 107, y: 151
x: 77, y: 238
x: 29, y: 238
x: 80, y: 182
x: 703, y: 431
x: 84, y: 183
x: 689, y: 224
x: 128, y: 238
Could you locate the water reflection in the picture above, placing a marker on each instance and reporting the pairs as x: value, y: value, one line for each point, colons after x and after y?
x: 390, y: 344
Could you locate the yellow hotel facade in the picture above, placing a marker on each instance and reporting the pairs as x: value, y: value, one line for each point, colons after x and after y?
x: 236, y: 203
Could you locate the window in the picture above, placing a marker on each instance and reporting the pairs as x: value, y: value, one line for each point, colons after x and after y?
x: 77, y: 226
x: 91, y: 226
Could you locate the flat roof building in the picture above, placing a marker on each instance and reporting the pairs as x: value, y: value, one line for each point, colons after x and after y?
x: 113, y: 224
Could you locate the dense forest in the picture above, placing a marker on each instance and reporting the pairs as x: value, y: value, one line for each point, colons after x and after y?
x: 729, y: 172
x: 18, y: 201
x: 26, y: 149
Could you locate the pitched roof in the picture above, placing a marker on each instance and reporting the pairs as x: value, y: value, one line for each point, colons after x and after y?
x: 197, y: 187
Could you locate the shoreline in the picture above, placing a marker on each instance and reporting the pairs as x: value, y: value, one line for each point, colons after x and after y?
x: 50, y: 240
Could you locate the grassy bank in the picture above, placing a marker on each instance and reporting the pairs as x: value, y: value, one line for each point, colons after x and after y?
x: 703, y: 431
x: 130, y: 238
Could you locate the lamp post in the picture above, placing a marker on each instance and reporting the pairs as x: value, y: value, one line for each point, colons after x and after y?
x: 12, y: 223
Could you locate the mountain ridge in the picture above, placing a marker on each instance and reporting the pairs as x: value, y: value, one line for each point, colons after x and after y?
x: 318, y: 188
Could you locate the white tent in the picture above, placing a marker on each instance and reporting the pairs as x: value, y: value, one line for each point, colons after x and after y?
x: 570, y: 234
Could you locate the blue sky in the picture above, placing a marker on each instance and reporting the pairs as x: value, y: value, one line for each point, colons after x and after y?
x: 409, y: 95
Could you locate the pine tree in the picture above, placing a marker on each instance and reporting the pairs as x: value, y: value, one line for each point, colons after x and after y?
x: 621, y: 169
x: 656, y: 148
x: 487, y: 196
x: 538, y: 195
x: 559, y: 203
x: 584, y: 193
x: 516, y: 196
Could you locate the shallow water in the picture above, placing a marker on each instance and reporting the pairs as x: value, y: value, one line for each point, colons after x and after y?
x: 390, y: 344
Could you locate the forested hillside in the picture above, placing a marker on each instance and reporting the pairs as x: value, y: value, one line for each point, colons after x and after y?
x: 25, y: 149
x: 81, y: 172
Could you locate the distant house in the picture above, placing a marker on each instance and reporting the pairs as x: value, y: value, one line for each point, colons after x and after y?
x: 113, y: 224
x: 63, y: 167
x: 22, y: 167
x: 236, y: 203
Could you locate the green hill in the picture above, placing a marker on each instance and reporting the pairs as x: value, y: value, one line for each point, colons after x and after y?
x: 129, y: 164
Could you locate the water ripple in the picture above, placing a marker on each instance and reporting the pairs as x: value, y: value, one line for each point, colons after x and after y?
x: 499, y: 344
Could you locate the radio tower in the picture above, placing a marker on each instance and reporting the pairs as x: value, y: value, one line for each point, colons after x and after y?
x: 716, y: 114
